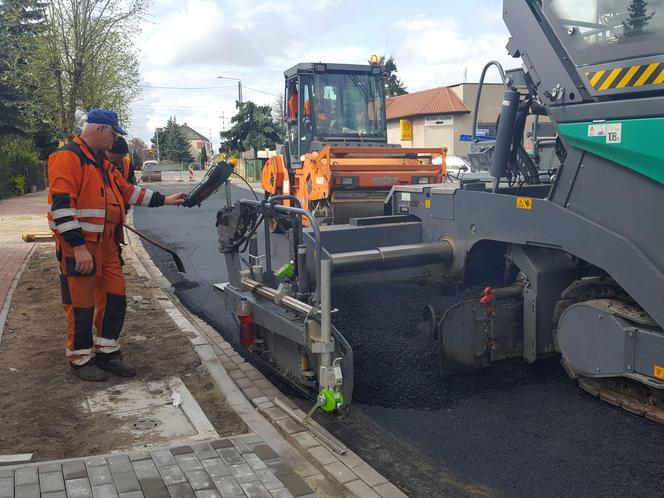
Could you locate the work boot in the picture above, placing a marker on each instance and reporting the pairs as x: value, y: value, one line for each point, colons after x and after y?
x: 112, y: 362
x: 90, y: 372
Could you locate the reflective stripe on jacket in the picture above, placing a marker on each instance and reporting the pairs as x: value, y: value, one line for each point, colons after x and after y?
x: 76, y: 192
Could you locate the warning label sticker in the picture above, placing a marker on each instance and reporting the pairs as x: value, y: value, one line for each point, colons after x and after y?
x: 596, y: 130
x: 658, y: 372
x: 524, y: 203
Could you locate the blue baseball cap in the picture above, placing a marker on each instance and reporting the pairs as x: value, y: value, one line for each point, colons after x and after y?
x: 105, y: 117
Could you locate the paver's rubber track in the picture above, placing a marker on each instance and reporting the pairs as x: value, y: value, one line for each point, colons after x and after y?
x: 635, y: 397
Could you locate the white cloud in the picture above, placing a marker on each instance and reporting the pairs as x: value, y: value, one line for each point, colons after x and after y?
x: 188, y: 43
x: 436, y: 51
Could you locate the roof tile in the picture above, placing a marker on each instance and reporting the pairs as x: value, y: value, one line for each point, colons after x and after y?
x: 440, y: 100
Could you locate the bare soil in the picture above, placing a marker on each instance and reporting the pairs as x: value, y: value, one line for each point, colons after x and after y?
x: 41, y: 401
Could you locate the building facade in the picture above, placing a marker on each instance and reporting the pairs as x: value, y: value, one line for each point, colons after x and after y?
x: 197, y: 142
x: 441, y: 116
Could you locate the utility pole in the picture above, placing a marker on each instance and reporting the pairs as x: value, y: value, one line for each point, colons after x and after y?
x: 157, y: 133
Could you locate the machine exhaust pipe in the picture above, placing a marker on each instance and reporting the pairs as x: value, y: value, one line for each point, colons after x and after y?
x: 402, y: 256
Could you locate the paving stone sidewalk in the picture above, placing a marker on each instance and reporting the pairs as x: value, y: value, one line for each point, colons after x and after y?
x: 241, y: 466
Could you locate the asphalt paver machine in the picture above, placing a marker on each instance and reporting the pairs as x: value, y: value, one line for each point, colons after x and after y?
x: 575, y: 256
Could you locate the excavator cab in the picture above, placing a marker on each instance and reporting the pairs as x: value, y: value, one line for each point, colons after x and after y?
x: 341, y: 104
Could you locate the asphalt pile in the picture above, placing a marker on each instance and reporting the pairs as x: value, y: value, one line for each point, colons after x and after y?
x: 396, y: 361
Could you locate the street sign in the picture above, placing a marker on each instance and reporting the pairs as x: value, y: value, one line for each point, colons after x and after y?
x: 479, y: 138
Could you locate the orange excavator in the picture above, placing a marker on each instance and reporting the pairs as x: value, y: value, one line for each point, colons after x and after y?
x: 336, y: 159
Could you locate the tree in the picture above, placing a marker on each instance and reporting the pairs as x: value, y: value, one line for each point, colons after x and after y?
x: 173, y: 146
x: 88, y: 59
x: 279, y: 114
x: 638, y: 18
x: 253, y: 128
x: 136, y: 148
x: 21, y: 26
x: 393, y: 85
x: 203, y: 157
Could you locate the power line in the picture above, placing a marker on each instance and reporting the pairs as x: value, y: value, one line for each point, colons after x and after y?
x: 186, y: 87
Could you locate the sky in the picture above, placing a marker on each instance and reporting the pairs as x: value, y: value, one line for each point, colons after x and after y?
x: 185, y: 45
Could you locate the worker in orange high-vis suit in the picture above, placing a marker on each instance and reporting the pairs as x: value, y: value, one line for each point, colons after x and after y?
x: 119, y: 158
x: 87, y: 196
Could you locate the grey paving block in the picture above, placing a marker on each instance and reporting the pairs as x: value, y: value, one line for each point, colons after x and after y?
x: 269, y: 479
x: 104, y: 491
x: 230, y: 456
x: 221, y: 443
x: 255, y: 490
x: 25, y: 475
x: 264, y: 452
x: 74, y: 470
x: 254, y: 462
x: 340, y: 472
x: 78, y: 488
x: 306, y: 440
x: 281, y: 493
x: 389, y: 490
x: 6, y: 472
x: 241, y: 446
x: 6, y: 487
x: 120, y: 464
x: 279, y: 468
x: 47, y: 468
x: 182, y: 490
x: 189, y: 462
x: 369, y: 475
x: 295, y: 485
x: 216, y: 468
x: 228, y: 486
x: 199, y: 479
x: 208, y: 493
x: 203, y: 450
x: 126, y: 482
x: 27, y: 491
x: 153, y: 488
x: 146, y: 469
x: 243, y: 473
x: 56, y: 494
x: 252, y: 392
x: 163, y: 457
x: 139, y: 455
x: 132, y: 494
x: 252, y: 439
x: 181, y: 450
x: 275, y: 413
x: 95, y: 461
x: 172, y: 474
x: 322, y: 455
x: 99, y: 475
x: 51, y: 482
x: 360, y: 488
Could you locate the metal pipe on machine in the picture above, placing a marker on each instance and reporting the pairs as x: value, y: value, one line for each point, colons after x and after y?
x: 393, y: 257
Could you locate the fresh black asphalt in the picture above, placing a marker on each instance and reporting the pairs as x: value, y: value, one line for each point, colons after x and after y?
x: 511, y: 430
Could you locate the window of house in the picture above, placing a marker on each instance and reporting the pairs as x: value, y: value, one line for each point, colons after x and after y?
x: 440, y: 120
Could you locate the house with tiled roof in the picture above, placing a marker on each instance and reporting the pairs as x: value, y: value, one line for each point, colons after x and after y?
x: 197, y: 142
x: 440, y: 116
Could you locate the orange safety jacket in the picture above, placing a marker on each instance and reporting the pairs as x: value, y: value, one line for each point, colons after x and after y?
x: 128, y: 171
x: 77, y: 181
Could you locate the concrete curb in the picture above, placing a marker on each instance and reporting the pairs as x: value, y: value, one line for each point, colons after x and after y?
x: 240, y: 382
x: 4, y: 312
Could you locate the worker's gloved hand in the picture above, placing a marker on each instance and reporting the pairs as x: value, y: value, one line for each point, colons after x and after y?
x: 175, y: 199
x: 84, y: 262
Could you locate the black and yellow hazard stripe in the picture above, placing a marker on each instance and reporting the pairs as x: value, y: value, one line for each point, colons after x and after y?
x: 627, y: 77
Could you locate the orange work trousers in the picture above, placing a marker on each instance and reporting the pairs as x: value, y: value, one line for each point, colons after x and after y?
x: 98, y: 298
